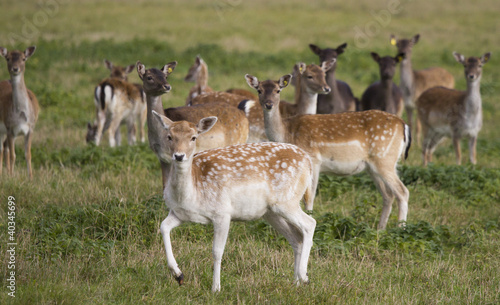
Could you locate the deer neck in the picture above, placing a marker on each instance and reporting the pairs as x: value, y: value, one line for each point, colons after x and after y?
x: 275, y: 126
x: 20, y: 97
x: 202, y: 79
x: 156, y: 132
x: 406, y: 74
x: 180, y: 184
x: 305, y: 100
x: 473, y: 96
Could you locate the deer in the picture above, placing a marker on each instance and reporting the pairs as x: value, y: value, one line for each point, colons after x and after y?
x: 198, y: 73
x: 340, y: 98
x: 414, y: 82
x: 310, y: 81
x: 117, y: 101
x: 343, y: 143
x: 231, y: 128
x: 445, y: 112
x: 384, y: 94
x: 19, y: 109
x: 239, y: 182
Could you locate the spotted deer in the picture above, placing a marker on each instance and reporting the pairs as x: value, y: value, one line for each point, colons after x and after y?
x: 414, y: 82
x: 343, y: 144
x: 18, y: 109
x: 198, y: 73
x: 384, y: 94
x: 231, y: 128
x: 310, y: 81
x: 117, y: 102
x: 340, y: 98
x: 446, y: 112
x: 238, y: 182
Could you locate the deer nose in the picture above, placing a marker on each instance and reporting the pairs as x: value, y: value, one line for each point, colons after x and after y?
x: 167, y: 87
x: 471, y: 76
x: 269, y: 105
x: 179, y: 157
x: 15, y: 69
x: 327, y: 89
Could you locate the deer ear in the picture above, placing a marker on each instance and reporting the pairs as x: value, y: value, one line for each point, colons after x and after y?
x: 340, y: 49
x: 252, y: 81
x: 198, y: 60
x: 141, y: 69
x: 415, y: 39
x: 29, y: 51
x: 169, y: 68
x: 399, y: 58
x: 485, y: 57
x: 394, y: 41
x: 316, y: 50
x: 129, y: 68
x: 459, y: 57
x: 3, y: 51
x: 375, y: 56
x: 164, y: 121
x: 108, y: 64
x: 300, y: 67
x: 284, y: 81
x: 206, y: 124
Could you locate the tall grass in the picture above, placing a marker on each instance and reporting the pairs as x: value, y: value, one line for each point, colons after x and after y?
x: 87, y: 225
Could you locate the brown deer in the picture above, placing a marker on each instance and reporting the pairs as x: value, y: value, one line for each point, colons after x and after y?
x: 414, y: 82
x: 446, y: 112
x: 118, y: 101
x: 340, y: 98
x: 231, y: 128
x: 198, y: 73
x: 239, y: 182
x: 310, y: 81
x: 343, y: 144
x: 384, y: 94
x: 18, y: 109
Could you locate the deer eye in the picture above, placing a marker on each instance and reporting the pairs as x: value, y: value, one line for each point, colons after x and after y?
x: 169, y: 137
x: 278, y: 91
x: 259, y: 91
x: 309, y: 77
x: 193, y: 139
x: 150, y: 78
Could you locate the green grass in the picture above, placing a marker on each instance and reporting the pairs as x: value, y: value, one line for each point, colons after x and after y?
x: 87, y: 226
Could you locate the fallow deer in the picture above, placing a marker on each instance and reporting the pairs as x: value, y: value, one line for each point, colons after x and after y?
x: 231, y: 128
x: 310, y: 81
x: 118, y: 101
x: 414, y: 82
x: 198, y: 73
x: 239, y: 182
x: 340, y: 98
x: 446, y: 112
x: 384, y: 94
x: 343, y: 144
x: 18, y: 109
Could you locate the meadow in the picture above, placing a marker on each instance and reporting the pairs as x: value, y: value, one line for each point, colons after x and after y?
x: 87, y: 225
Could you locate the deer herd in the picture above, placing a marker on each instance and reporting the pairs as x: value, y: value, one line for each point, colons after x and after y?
x: 224, y: 158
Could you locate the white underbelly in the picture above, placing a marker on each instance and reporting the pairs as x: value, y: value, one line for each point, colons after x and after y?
x: 342, y: 168
x: 21, y: 128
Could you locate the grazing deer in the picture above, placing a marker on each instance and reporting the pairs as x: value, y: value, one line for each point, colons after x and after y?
x: 453, y: 113
x: 340, y: 98
x: 116, y: 102
x: 239, y: 182
x: 198, y: 73
x: 18, y: 109
x: 384, y: 94
x: 310, y: 81
x: 231, y: 128
x: 343, y: 144
x: 414, y: 82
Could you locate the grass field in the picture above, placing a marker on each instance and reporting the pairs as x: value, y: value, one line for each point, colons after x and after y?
x: 87, y: 226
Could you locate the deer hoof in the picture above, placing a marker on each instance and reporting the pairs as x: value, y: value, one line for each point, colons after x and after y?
x: 180, y: 279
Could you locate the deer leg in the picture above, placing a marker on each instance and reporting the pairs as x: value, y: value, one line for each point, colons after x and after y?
x: 387, y: 198
x: 142, y: 122
x: 458, y: 154
x: 2, y: 143
x: 315, y: 180
x: 472, y: 149
x: 12, y: 154
x: 221, y: 231
x: 131, y: 131
x: 114, y: 131
x: 166, y: 226
x: 291, y: 234
x: 27, y: 152
x: 101, y: 122
x: 165, y: 169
